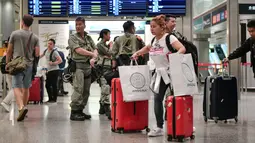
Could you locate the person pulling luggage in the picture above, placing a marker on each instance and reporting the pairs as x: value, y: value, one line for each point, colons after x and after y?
x: 248, y: 45
x: 105, y: 61
x: 158, y: 51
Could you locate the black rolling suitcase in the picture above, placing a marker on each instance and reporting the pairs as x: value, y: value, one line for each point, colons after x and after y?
x: 220, y: 98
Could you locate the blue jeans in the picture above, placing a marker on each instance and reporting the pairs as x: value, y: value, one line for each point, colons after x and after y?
x: 23, y: 79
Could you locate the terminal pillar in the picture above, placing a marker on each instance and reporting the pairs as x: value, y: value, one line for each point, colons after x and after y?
x: 202, y: 43
x: 233, y: 36
x: 7, y: 18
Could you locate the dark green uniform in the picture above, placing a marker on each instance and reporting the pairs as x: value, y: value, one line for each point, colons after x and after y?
x: 125, y: 46
x: 82, y: 75
x: 104, y: 55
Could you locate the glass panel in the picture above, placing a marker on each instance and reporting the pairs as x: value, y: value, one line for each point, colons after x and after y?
x: 201, y: 6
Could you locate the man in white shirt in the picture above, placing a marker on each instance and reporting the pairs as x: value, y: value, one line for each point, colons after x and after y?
x: 53, y: 60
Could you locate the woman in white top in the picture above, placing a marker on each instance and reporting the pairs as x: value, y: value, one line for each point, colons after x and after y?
x: 158, y: 52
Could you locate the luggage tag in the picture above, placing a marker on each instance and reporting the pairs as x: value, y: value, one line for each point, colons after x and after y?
x: 225, y: 74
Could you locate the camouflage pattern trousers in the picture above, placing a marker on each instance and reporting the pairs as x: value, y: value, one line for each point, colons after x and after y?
x: 81, y: 86
x: 105, y: 91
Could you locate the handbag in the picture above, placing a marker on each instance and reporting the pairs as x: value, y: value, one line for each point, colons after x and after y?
x: 108, y: 74
x: 19, y: 64
x: 135, y: 82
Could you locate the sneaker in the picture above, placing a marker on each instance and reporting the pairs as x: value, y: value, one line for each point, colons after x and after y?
x: 6, y: 107
x: 22, y: 114
x: 156, y: 132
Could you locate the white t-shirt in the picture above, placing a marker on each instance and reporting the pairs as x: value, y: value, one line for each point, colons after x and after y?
x: 55, y: 54
x: 159, y: 51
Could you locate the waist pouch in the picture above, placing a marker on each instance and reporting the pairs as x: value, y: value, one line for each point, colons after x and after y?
x: 71, y: 65
x: 123, y: 60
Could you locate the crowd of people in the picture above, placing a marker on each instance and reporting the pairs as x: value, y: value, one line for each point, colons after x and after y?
x: 86, y: 54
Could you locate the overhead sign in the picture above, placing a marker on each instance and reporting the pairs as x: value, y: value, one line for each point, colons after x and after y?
x: 207, y: 21
x: 219, y: 15
x: 198, y: 24
x: 246, y: 8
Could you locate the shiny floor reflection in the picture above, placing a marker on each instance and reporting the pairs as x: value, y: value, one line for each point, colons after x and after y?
x: 51, y: 124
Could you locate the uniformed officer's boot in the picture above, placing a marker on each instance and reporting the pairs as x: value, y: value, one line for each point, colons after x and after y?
x: 107, y: 111
x: 101, y: 110
x: 76, y: 116
x: 84, y: 115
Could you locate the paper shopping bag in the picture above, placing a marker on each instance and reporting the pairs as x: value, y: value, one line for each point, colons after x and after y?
x: 183, y: 75
x: 135, y: 82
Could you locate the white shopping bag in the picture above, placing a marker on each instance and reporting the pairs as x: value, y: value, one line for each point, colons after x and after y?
x: 135, y: 82
x: 182, y: 74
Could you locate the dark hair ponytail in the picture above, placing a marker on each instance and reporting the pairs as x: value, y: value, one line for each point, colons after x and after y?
x: 102, y: 33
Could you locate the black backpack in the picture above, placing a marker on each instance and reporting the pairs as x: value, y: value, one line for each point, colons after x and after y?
x: 190, y: 48
x: 3, y: 65
x: 125, y: 59
x: 61, y: 54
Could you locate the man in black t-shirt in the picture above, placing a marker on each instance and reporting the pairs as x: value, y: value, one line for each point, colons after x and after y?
x: 248, y: 45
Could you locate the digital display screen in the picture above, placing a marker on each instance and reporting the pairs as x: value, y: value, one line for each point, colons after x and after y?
x: 45, y: 8
x: 175, y: 7
x: 87, y: 7
x: 246, y: 8
x: 127, y: 7
x: 219, y: 15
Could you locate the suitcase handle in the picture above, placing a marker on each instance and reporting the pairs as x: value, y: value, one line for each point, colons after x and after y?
x: 226, y: 77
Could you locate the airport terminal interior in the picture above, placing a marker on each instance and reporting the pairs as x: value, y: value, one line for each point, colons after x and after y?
x: 215, y: 27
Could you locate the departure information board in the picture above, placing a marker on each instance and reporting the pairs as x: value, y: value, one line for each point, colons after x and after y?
x: 53, y: 8
x: 175, y: 7
x: 127, y: 7
x: 87, y: 7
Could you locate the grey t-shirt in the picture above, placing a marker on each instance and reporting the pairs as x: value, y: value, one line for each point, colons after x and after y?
x: 19, y: 39
x: 55, y: 54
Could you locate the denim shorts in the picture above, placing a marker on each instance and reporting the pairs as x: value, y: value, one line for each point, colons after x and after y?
x: 22, y: 80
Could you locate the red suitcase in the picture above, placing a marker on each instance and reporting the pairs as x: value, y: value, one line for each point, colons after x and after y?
x: 180, y: 117
x: 35, y: 90
x: 127, y: 116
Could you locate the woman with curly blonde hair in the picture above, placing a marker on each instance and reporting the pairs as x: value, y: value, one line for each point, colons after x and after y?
x: 158, y: 52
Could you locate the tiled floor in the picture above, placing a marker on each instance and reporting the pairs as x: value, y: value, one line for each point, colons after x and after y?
x: 51, y: 124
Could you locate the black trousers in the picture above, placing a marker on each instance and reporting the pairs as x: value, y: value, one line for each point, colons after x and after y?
x: 52, y: 84
x: 61, y: 82
x: 158, y: 103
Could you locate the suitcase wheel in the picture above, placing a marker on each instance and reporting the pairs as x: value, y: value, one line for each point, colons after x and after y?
x: 205, y: 119
x: 169, y: 138
x: 181, y: 139
x: 121, y: 131
x: 192, y: 137
x: 226, y: 121
x: 236, y: 119
x: 148, y: 130
x: 215, y: 120
x: 112, y: 130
